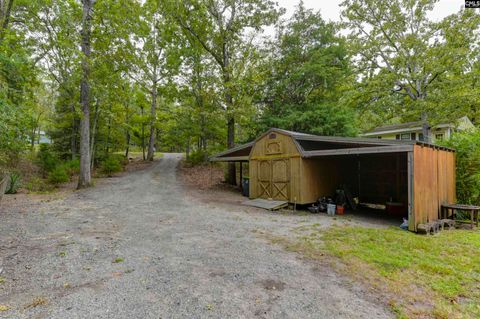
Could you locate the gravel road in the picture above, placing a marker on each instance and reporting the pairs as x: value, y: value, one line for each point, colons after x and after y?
x: 137, y: 246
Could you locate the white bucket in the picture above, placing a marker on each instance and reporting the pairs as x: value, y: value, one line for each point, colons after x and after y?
x: 331, y: 209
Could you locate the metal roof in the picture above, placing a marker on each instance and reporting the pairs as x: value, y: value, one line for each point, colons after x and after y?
x: 359, y: 145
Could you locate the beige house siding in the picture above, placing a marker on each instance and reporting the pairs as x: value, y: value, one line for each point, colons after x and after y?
x: 440, y: 131
x: 435, y: 134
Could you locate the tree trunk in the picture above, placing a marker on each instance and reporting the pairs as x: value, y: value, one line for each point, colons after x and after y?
x: 32, y: 139
x: 143, y: 136
x: 5, y: 17
x: 109, y: 130
x: 73, y: 138
x: 127, y: 149
x: 85, y: 179
x: 231, y: 174
x: 151, y: 142
x: 92, y: 140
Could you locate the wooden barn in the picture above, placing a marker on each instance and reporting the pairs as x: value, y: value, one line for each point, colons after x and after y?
x: 300, y: 168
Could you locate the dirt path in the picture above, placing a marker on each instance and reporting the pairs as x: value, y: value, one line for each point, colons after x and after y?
x: 138, y: 247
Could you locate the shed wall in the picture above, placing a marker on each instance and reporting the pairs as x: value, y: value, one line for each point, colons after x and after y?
x: 320, y: 177
x: 275, y: 168
x: 433, y: 182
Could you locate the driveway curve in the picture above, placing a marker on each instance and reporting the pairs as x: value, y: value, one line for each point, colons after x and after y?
x: 137, y: 246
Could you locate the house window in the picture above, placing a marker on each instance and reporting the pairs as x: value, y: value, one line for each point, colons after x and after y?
x: 405, y: 137
x: 420, y: 136
x: 379, y: 137
x: 439, y: 137
x: 397, y: 137
x: 272, y: 136
x: 413, y: 136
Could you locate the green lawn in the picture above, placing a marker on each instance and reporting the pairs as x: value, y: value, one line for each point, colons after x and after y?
x: 422, y: 276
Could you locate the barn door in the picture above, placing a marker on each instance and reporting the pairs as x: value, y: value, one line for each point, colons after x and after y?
x: 280, y: 179
x: 265, y: 179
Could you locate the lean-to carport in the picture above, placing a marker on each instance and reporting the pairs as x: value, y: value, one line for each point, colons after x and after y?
x: 300, y: 168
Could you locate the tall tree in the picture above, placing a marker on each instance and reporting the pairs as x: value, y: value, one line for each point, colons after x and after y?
x: 219, y: 26
x: 5, y: 13
x: 84, y: 179
x: 401, y: 55
x: 306, y: 74
x: 154, y: 60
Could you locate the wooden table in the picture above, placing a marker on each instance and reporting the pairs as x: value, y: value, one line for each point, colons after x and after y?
x: 473, y: 210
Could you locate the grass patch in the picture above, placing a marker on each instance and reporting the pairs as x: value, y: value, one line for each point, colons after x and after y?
x: 118, y: 260
x: 427, y: 276
x: 4, y: 308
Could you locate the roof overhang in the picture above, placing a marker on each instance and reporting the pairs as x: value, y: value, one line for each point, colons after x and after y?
x: 230, y: 159
x: 232, y: 154
x: 360, y: 150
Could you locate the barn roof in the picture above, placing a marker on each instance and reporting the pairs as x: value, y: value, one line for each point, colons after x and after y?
x: 310, y: 145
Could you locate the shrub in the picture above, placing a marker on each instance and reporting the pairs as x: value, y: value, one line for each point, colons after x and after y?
x: 58, y: 175
x: 37, y: 184
x: 110, y: 166
x: 467, y: 145
x: 14, y: 183
x: 72, y: 167
x: 46, y: 159
x: 197, y: 157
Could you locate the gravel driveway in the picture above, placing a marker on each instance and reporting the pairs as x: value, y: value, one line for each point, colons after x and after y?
x: 137, y: 246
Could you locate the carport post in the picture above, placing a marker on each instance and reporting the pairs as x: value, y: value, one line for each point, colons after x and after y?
x: 241, y: 176
x: 411, y: 209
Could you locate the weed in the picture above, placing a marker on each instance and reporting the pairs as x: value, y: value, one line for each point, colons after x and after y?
x: 118, y: 260
x: 110, y: 166
x: 38, y: 301
x: 58, y: 175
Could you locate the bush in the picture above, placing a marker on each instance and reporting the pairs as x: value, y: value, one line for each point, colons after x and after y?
x: 46, y: 158
x: 72, y: 167
x: 197, y: 157
x: 14, y: 183
x: 36, y: 184
x: 58, y: 175
x: 110, y: 166
x: 467, y: 145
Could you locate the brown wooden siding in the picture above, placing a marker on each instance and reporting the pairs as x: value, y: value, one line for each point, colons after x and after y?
x: 434, y: 182
x: 320, y: 177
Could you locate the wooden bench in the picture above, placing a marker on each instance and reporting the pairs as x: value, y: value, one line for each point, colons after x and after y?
x: 473, y: 210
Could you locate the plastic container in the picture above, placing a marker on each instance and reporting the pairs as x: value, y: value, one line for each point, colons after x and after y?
x: 246, y: 187
x: 331, y: 209
x: 340, y: 210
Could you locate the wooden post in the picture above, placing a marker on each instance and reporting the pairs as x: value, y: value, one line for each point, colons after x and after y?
x: 472, y: 214
x: 241, y: 176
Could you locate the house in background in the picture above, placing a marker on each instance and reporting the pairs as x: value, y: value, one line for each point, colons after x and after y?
x: 42, y: 137
x: 415, y: 131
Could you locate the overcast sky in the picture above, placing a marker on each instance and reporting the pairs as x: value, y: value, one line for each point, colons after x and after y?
x: 331, y: 11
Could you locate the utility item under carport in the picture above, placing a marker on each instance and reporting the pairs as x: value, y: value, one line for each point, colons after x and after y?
x: 300, y: 168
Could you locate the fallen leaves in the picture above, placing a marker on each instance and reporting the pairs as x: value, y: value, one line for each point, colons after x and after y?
x: 4, y: 308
